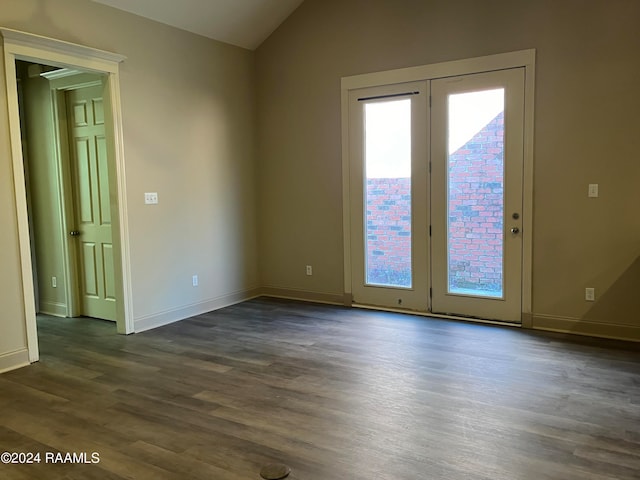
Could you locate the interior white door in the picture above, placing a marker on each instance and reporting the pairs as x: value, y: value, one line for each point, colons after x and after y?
x: 89, y: 171
x: 388, y: 188
x: 476, y: 194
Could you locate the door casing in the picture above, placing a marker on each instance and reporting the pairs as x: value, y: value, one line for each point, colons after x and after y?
x: 525, y: 59
x: 37, y: 49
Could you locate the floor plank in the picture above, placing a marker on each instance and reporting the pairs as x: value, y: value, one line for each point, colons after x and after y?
x: 333, y: 392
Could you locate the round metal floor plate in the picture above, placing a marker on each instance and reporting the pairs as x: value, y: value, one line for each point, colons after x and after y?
x: 275, y: 471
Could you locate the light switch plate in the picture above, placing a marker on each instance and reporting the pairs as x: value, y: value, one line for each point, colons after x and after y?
x: 593, y: 190
x: 151, y: 198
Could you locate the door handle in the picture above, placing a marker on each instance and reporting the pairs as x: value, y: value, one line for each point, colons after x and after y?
x: 515, y: 230
x: 74, y: 233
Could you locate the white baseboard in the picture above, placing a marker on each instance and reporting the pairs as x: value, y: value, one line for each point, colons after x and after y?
x: 13, y: 360
x: 53, y: 308
x: 582, y: 327
x: 303, y: 295
x: 155, y: 320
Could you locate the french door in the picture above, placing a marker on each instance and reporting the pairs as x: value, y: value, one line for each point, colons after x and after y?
x: 436, y: 175
x: 476, y: 190
x: 389, y: 185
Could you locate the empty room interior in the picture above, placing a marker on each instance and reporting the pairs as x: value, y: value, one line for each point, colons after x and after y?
x: 318, y: 239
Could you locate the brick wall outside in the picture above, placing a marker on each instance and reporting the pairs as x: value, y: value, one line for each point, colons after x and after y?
x: 389, y: 231
x: 475, y: 211
x: 475, y: 219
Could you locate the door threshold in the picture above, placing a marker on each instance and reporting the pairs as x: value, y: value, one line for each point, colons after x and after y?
x: 438, y: 315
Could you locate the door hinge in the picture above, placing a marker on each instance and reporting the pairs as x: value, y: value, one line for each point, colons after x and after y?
x: 430, y: 292
x: 429, y: 230
x: 429, y: 100
x: 429, y: 167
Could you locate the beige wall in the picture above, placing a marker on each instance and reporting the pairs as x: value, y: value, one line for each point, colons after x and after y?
x: 188, y: 121
x: 586, y: 131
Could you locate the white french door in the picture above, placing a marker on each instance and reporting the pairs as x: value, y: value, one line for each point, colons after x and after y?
x: 476, y: 190
x: 435, y: 183
x: 388, y: 195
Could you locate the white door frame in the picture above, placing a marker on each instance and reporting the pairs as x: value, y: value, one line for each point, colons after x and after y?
x: 38, y: 49
x: 522, y: 58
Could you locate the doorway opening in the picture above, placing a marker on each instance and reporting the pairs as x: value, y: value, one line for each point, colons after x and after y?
x: 67, y: 182
x: 34, y: 49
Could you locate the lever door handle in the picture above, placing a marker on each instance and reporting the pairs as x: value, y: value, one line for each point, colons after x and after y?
x: 74, y: 233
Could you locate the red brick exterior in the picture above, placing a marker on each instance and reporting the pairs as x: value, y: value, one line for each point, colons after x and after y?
x: 475, y: 211
x: 475, y: 218
x: 389, y: 231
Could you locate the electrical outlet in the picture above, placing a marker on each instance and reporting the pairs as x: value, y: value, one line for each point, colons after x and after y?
x: 194, y: 280
x: 590, y: 294
x: 54, y: 282
x: 309, y: 270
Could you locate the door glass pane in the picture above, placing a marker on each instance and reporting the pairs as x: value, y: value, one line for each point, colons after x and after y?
x: 388, y: 193
x: 476, y: 193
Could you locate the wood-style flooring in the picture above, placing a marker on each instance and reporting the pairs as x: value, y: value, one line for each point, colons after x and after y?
x: 335, y: 393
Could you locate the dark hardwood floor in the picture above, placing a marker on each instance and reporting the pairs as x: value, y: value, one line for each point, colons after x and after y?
x: 335, y: 393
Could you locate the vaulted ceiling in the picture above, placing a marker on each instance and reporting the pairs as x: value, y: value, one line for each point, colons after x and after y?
x: 245, y: 23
